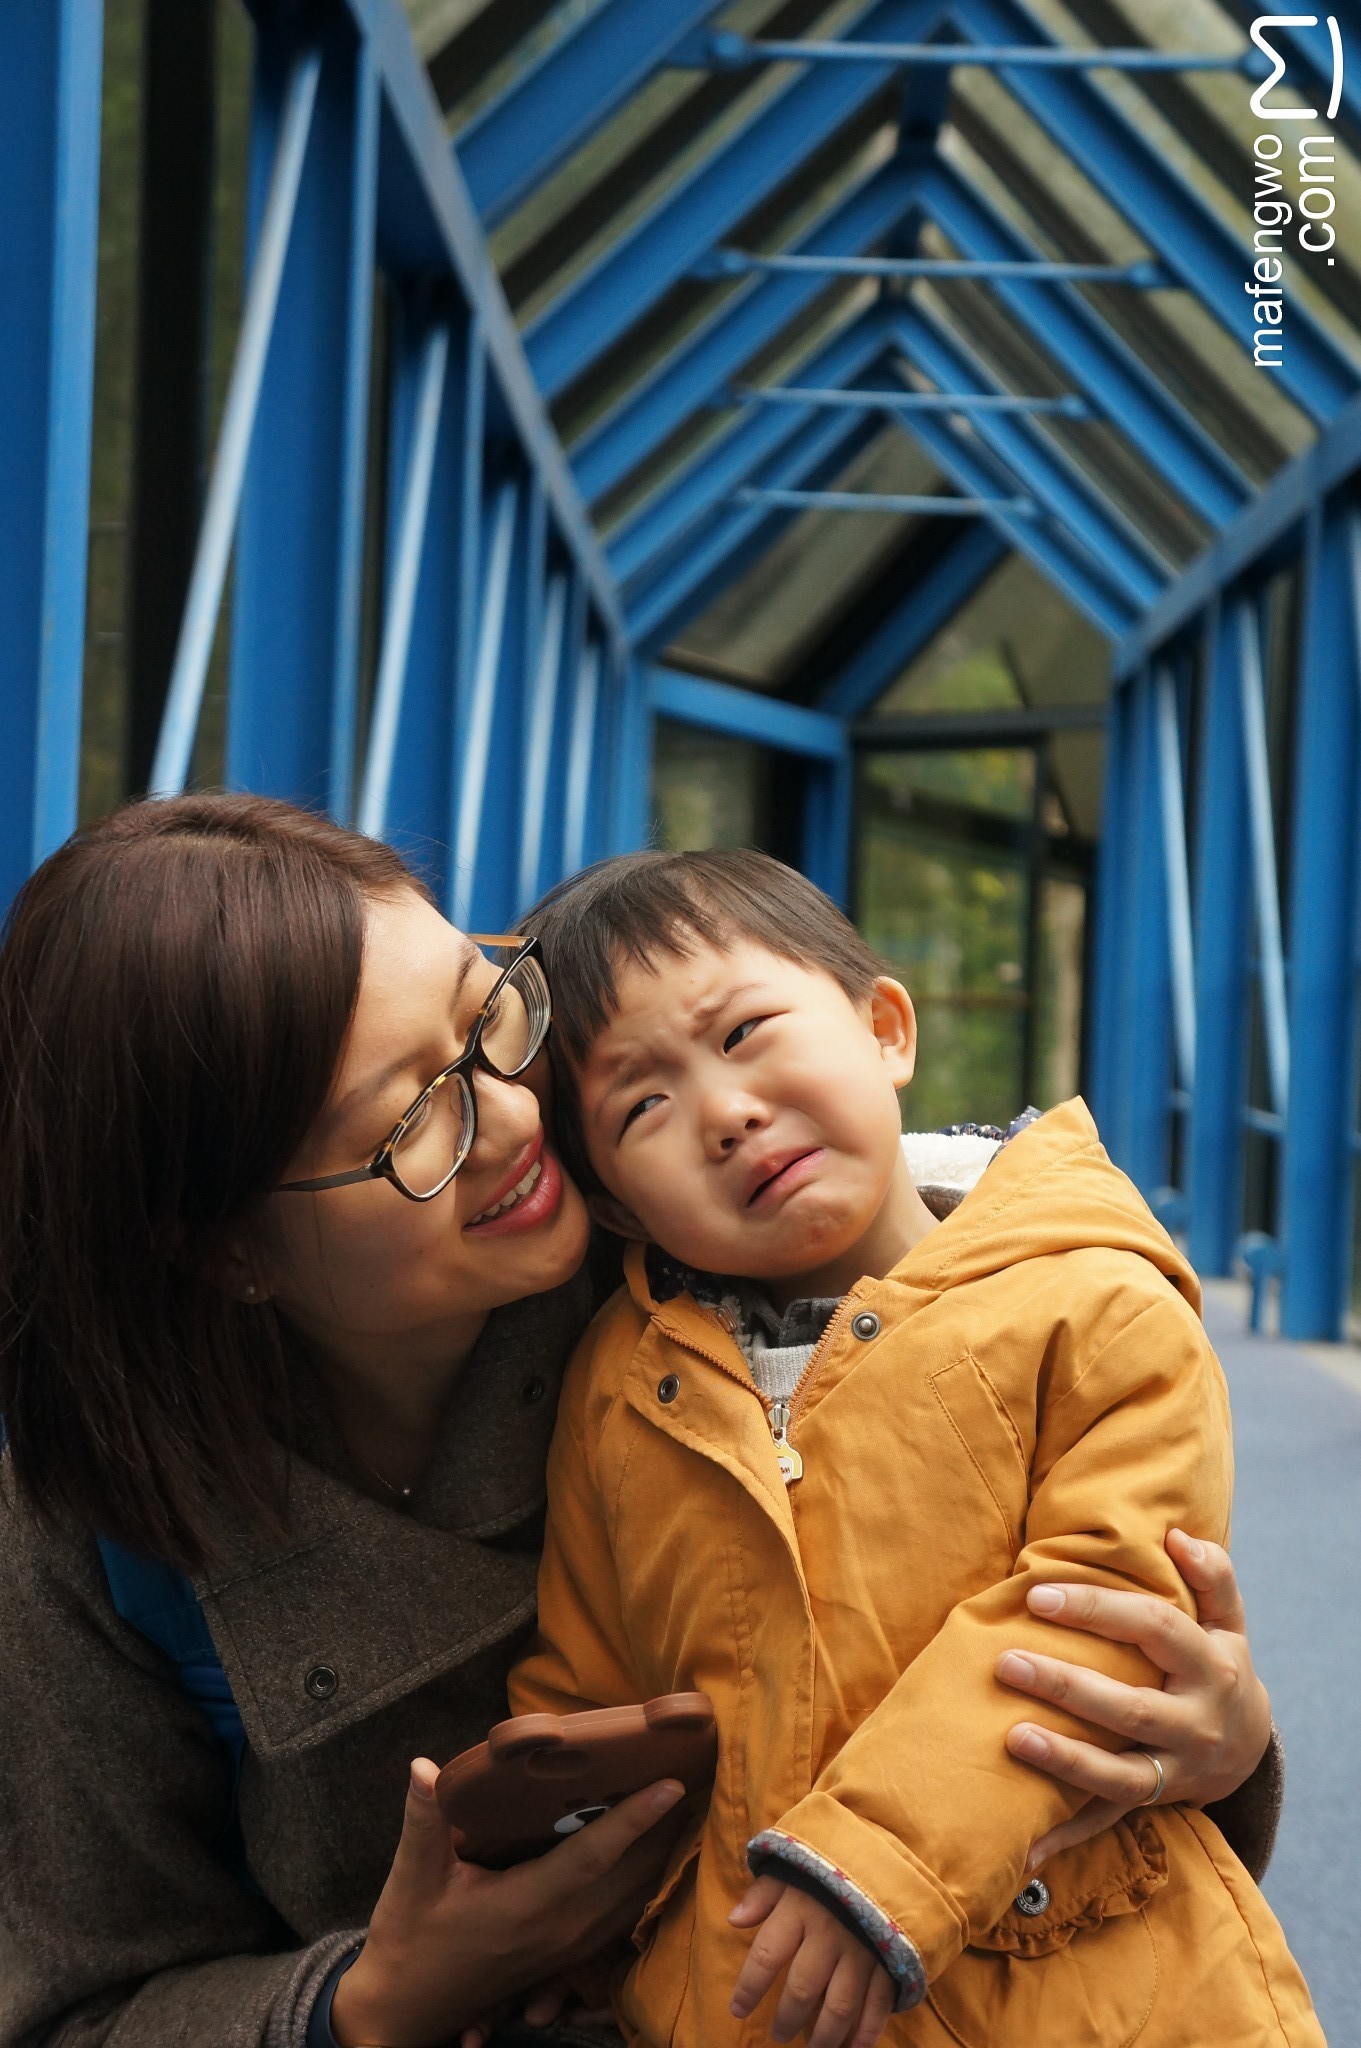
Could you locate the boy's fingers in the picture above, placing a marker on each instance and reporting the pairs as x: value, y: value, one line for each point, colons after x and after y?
x: 842, y: 2002
x: 756, y: 1902
x: 1208, y: 1571
x: 805, y: 1986
x: 1096, y: 1815
x: 1133, y: 1711
x: 767, y: 1956
x: 877, y: 2009
x: 1167, y: 1637
x: 1126, y: 1778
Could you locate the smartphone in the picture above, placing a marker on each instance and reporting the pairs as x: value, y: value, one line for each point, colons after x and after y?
x: 541, y: 1777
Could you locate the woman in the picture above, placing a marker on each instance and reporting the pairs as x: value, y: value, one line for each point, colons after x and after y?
x: 285, y: 1301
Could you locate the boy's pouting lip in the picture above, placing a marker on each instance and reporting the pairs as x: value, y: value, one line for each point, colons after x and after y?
x: 742, y: 1111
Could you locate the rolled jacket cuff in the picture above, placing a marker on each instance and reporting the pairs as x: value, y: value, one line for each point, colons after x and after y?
x: 773, y: 1853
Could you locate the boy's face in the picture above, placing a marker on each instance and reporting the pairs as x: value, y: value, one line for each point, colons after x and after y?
x: 743, y: 1113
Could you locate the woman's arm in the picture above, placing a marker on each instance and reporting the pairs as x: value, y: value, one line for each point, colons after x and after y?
x: 1209, y: 1725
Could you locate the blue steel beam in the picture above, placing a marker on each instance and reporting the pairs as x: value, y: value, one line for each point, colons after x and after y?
x: 1262, y: 837
x: 1068, y: 407
x: 298, y: 575
x: 542, y: 714
x: 184, y: 697
x: 1038, y: 464
x: 696, y: 371
x: 565, y: 95
x: 1109, y: 1013
x: 738, y: 262
x: 580, y: 754
x: 1146, y: 1051
x: 1264, y: 524
x: 1176, y: 874
x: 915, y: 622
x: 727, y: 51
x: 828, y: 826
x: 1214, y: 1152
x: 631, y: 813
x: 748, y: 715
x: 413, y: 516
x: 50, y: 76
x: 1316, y: 1157
x: 672, y: 235
x: 416, y: 123
x: 1188, y: 458
x: 487, y: 681
x: 921, y: 503
x: 1169, y: 214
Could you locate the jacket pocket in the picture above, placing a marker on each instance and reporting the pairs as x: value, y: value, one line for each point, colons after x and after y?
x: 1075, y: 1962
x: 987, y: 1438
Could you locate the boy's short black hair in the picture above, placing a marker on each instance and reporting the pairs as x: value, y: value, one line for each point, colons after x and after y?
x: 639, y: 907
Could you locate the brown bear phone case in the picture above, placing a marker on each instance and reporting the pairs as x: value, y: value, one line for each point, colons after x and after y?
x: 541, y: 1777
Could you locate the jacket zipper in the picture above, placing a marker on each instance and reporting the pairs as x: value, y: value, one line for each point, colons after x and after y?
x: 780, y: 1415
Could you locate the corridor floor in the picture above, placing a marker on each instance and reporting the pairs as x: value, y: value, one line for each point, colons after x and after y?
x: 1297, y: 1544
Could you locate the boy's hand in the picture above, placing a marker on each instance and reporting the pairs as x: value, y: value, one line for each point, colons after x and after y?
x: 831, y: 1977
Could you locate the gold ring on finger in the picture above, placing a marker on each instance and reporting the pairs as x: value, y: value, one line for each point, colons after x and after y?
x: 1156, y: 1794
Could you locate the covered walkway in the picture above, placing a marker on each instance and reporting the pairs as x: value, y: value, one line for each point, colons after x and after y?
x: 1297, y: 1544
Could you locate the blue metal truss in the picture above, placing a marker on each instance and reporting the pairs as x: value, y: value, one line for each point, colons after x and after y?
x: 507, y: 734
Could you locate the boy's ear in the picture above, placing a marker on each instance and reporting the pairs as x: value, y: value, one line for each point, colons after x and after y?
x: 613, y: 1215
x: 894, y: 1022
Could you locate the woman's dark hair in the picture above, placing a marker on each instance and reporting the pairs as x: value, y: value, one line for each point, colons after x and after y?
x: 641, y: 907
x: 176, y: 983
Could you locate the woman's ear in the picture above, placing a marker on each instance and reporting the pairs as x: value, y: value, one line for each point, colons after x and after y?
x: 238, y: 1274
x: 612, y: 1215
x: 894, y: 1022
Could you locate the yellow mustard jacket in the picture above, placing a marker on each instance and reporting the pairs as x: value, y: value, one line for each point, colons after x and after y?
x: 1028, y: 1396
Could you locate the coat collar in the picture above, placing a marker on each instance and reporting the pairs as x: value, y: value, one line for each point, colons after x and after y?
x: 368, y: 1603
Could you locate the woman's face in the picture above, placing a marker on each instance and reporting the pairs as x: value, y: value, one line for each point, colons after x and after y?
x: 356, y: 1266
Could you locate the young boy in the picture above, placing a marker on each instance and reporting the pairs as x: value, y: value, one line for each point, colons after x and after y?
x: 811, y: 1459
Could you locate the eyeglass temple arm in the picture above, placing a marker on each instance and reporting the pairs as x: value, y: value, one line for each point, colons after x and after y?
x: 498, y: 938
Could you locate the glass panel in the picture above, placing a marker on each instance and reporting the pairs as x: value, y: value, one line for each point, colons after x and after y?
x: 949, y: 914
x: 709, y: 789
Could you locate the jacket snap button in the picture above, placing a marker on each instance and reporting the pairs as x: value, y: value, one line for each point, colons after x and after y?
x: 668, y: 1388
x: 320, y: 1682
x: 866, y: 1326
x: 532, y: 1391
x: 1033, y: 1899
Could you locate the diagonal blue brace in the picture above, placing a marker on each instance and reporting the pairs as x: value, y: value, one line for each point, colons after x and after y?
x: 914, y: 623
x: 696, y: 371
x: 1161, y: 206
x: 1037, y: 463
x: 693, y: 215
x: 564, y: 96
x: 669, y: 517
x: 1105, y: 367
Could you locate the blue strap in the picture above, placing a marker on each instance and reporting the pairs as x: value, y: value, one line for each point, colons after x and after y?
x: 161, y: 1604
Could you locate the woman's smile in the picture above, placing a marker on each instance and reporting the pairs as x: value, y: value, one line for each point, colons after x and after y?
x: 529, y: 1201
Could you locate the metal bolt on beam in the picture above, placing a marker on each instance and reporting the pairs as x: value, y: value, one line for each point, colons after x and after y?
x: 727, y: 51
x: 1146, y: 276
x: 886, y: 501
x: 1069, y: 406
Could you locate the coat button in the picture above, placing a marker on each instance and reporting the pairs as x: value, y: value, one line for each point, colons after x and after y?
x: 1033, y: 1899
x: 866, y: 1326
x: 668, y: 1388
x: 532, y: 1391
x: 320, y: 1682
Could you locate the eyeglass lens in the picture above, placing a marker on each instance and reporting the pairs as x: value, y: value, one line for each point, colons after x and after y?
x: 513, y: 1028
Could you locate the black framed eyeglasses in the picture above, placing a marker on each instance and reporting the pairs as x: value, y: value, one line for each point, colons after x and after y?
x: 426, y: 1147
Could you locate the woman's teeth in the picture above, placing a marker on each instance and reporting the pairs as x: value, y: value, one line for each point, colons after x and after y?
x: 517, y: 1194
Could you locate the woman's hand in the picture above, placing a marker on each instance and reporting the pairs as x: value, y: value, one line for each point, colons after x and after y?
x: 449, y: 1941
x: 1209, y: 1725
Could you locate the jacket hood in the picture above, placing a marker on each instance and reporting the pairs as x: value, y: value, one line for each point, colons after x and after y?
x: 1050, y: 1188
